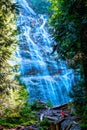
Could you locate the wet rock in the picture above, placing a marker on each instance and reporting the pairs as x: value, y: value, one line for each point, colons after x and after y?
x: 68, y: 122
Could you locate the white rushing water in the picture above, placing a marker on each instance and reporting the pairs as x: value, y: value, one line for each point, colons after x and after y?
x: 46, y: 79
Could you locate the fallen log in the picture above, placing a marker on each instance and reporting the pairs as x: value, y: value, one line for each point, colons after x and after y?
x: 69, y: 126
x: 55, y: 119
x: 51, y: 118
x: 63, y: 106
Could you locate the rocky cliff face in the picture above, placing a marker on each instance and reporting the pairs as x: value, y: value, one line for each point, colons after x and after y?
x: 46, y: 77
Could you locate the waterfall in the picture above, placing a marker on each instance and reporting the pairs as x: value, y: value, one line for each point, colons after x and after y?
x: 45, y: 77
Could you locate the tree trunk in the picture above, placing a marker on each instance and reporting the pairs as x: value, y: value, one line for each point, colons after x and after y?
x: 84, y: 51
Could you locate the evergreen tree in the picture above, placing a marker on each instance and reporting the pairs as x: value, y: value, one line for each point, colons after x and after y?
x: 69, y: 22
x: 14, y: 108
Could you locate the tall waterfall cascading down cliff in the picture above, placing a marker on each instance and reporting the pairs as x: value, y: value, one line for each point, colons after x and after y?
x: 45, y: 78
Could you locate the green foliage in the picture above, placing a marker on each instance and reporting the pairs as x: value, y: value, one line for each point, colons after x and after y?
x: 36, y: 105
x: 8, y: 43
x: 18, y: 111
x: 49, y: 104
x: 14, y: 108
x: 69, y: 23
x: 44, y: 124
x: 79, y: 101
x: 78, y: 92
x: 66, y: 22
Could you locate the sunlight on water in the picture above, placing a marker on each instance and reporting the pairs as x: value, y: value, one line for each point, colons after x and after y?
x: 46, y: 79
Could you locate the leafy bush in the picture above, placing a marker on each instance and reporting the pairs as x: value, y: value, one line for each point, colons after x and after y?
x: 49, y: 104
x: 36, y: 105
x: 44, y: 124
x: 79, y: 97
x: 69, y: 23
x: 14, y: 108
x: 17, y: 120
x: 18, y: 111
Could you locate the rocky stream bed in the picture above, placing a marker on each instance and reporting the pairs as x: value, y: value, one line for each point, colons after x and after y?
x: 60, y: 119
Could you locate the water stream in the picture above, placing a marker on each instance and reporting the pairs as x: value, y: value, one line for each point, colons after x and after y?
x: 46, y: 78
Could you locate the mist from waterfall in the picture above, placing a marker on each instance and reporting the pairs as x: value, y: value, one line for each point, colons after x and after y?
x: 46, y: 77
